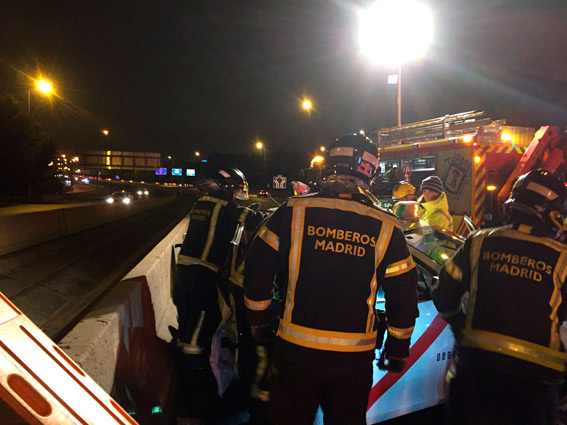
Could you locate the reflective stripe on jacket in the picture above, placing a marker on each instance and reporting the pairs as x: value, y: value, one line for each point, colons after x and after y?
x: 336, y: 253
x: 516, y: 298
x: 211, y: 226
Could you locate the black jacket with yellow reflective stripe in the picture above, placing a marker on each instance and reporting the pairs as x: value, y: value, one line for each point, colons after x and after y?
x: 336, y: 253
x: 212, y: 223
x: 516, y: 304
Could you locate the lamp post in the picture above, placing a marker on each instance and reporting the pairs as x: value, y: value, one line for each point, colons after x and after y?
x: 260, y: 146
x: 43, y: 86
x: 393, y: 32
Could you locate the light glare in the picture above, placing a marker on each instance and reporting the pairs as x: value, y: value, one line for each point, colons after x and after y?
x: 506, y: 137
x: 44, y: 86
x: 393, y: 32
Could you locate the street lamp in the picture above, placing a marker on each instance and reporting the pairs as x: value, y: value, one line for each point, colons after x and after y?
x: 307, y: 105
x: 105, y: 132
x: 41, y: 85
x: 392, y: 32
x: 260, y: 146
x: 197, y: 153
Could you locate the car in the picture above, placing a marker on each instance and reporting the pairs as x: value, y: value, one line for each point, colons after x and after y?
x: 122, y: 196
x: 263, y: 193
x: 422, y: 383
x: 142, y: 193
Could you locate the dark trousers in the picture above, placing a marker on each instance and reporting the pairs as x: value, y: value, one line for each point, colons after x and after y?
x: 195, y: 295
x: 297, y: 392
x: 487, y: 397
x: 254, y: 364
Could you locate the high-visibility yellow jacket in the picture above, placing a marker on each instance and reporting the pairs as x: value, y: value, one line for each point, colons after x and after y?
x: 516, y: 302
x: 436, y: 212
x: 335, y: 254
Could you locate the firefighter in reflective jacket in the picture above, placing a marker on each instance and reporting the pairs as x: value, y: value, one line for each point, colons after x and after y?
x: 510, y: 359
x: 212, y: 223
x: 253, y: 358
x: 334, y: 250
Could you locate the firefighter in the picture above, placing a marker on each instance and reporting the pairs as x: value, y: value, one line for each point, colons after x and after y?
x: 253, y: 358
x: 333, y: 250
x: 433, y: 205
x: 213, y: 220
x: 403, y: 191
x: 510, y: 360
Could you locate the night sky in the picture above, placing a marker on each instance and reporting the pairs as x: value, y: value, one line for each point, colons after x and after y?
x: 176, y: 76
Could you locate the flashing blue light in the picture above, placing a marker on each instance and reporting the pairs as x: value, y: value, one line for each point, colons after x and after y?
x: 204, y: 160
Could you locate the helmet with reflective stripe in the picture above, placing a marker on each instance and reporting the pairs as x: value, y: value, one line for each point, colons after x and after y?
x: 540, y: 194
x: 232, y: 180
x: 353, y: 155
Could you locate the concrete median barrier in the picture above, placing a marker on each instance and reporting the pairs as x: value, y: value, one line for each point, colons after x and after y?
x: 27, y: 229
x: 124, y: 343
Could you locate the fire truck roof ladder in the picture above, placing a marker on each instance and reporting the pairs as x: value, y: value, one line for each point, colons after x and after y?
x: 455, y: 125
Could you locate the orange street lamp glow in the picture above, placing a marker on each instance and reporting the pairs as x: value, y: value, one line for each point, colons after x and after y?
x: 259, y: 145
x: 197, y: 153
x: 44, y: 86
x: 317, y: 160
x: 307, y: 105
x: 105, y: 132
x: 322, y: 148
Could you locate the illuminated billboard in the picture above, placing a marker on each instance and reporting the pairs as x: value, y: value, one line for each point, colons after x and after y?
x: 161, y: 172
x: 176, y: 171
x: 191, y: 172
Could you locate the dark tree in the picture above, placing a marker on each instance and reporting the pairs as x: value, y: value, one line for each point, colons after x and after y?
x: 25, y: 152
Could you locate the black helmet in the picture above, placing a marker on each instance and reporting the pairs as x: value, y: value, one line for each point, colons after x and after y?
x: 227, y: 180
x: 232, y: 180
x: 353, y: 155
x: 539, y: 193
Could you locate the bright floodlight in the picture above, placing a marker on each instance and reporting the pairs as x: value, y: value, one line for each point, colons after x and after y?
x: 393, y: 32
x: 44, y: 86
x: 307, y: 104
x: 259, y: 145
x: 105, y: 132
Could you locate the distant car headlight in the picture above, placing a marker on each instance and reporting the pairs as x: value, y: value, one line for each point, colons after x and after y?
x: 86, y: 181
x: 139, y: 192
x: 110, y: 200
x: 146, y: 192
x: 126, y: 200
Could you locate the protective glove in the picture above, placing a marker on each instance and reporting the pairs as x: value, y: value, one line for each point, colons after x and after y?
x: 457, y: 323
x: 389, y: 363
x: 263, y: 334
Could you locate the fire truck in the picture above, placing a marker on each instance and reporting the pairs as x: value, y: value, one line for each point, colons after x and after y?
x: 476, y: 157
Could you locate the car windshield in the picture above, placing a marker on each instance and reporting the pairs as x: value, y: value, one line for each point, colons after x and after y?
x: 436, y: 243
